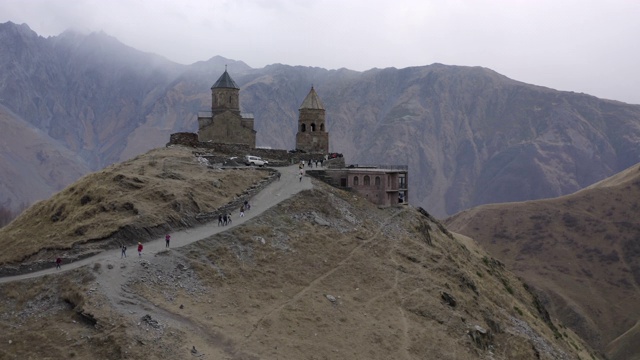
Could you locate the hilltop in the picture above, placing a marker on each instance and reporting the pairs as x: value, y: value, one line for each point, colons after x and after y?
x: 322, y: 274
x: 581, y: 250
x: 161, y: 191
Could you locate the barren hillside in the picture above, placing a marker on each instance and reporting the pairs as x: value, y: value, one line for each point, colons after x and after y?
x: 157, y: 192
x: 323, y: 275
x: 582, y: 250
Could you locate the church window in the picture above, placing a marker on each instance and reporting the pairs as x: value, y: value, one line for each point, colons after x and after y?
x: 377, y: 182
x: 303, y: 128
x: 355, y: 181
x: 313, y: 127
x: 321, y: 127
x: 367, y: 180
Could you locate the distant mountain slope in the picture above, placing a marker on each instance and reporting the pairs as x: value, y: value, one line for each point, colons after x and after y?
x: 469, y: 135
x: 32, y: 165
x: 582, y: 250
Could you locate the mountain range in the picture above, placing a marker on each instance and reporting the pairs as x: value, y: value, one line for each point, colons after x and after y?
x: 469, y: 135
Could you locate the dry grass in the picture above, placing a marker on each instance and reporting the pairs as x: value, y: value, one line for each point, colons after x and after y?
x: 581, y: 249
x: 374, y: 284
x: 159, y: 189
x: 270, y: 278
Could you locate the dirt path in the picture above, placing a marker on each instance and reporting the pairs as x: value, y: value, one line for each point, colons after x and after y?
x: 273, y: 194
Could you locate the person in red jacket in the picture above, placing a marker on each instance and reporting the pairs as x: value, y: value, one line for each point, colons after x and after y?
x: 58, y: 262
x: 139, y: 249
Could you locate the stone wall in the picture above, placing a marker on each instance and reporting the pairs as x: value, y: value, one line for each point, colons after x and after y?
x: 218, y: 152
x: 227, y: 127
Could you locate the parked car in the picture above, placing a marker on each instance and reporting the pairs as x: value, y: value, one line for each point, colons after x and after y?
x: 255, y: 160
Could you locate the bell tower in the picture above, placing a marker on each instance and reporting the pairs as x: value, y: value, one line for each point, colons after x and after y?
x: 225, y: 95
x: 312, y: 133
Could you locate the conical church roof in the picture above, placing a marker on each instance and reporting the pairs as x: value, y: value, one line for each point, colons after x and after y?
x: 225, y: 81
x: 312, y: 101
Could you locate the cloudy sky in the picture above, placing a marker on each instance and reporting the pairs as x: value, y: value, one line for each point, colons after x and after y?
x: 574, y: 45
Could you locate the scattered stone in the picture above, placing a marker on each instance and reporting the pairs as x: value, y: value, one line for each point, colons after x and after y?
x: 193, y: 350
x: 481, y: 337
x: 151, y: 322
x: 320, y: 221
x: 448, y: 298
x: 331, y: 298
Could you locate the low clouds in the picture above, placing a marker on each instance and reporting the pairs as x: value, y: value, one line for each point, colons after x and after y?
x: 582, y: 46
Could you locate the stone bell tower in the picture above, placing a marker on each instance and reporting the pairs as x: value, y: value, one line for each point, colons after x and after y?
x: 225, y: 124
x: 312, y: 135
x: 225, y: 95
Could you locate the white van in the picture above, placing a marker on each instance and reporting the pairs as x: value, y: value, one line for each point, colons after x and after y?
x: 254, y: 160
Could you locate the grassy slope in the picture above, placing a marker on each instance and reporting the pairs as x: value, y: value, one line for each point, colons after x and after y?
x: 161, y: 188
x: 582, y: 249
x: 261, y: 292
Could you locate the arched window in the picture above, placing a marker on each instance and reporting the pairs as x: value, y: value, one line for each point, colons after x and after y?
x: 304, y: 127
x: 377, y: 182
x: 367, y: 181
x: 355, y: 181
x: 313, y: 127
x: 321, y: 127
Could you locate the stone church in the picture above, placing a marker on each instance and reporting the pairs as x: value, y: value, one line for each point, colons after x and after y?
x: 312, y: 136
x: 225, y: 124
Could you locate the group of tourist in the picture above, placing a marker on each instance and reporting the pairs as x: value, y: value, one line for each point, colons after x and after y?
x: 223, y: 220
x: 310, y: 163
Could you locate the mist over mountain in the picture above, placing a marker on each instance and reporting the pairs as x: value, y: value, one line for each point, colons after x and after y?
x: 469, y: 135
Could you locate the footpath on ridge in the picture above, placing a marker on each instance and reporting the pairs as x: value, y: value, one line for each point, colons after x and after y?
x: 276, y: 192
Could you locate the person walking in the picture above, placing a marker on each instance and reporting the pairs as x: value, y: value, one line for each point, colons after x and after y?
x: 58, y: 262
x: 140, y: 249
x: 301, y: 173
x: 220, y: 220
x: 229, y: 218
x: 279, y: 174
x: 167, y: 238
x: 123, y: 251
x: 242, y: 211
x: 224, y: 220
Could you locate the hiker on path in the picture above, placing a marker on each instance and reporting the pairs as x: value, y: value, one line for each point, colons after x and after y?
x: 139, y: 249
x: 224, y: 220
x: 279, y: 175
x: 229, y: 219
x: 166, y: 240
x: 58, y: 262
x: 123, y: 252
x: 242, y: 211
x: 301, y: 173
x: 246, y: 205
x: 220, y: 220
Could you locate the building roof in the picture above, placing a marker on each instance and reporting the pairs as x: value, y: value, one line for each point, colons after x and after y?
x: 312, y: 101
x: 225, y: 81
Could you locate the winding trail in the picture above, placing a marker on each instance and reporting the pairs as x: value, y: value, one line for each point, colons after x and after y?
x: 273, y: 194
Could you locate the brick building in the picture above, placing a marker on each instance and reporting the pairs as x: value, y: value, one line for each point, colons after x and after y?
x: 225, y: 124
x: 383, y: 185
